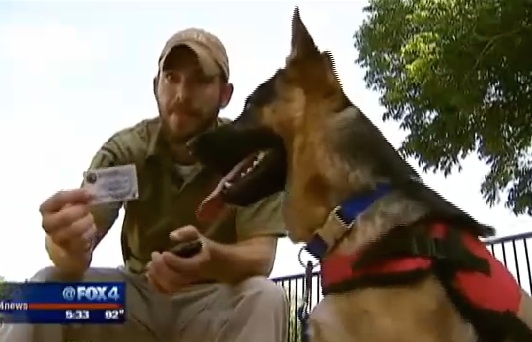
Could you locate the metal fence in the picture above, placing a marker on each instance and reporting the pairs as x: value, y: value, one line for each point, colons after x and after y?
x: 515, y: 252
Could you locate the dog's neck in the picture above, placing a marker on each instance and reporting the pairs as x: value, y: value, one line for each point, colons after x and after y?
x: 346, y: 177
x: 320, y: 176
x: 394, y: 210
x: 323, y: 177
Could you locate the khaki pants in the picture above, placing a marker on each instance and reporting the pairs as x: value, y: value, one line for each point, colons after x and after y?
x: 254, y: 310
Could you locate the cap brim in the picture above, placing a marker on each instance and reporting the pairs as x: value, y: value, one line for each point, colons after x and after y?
x: 208, y: 64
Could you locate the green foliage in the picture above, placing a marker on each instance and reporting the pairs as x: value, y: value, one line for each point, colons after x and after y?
x: 457, y: 75
x: 3, y: 288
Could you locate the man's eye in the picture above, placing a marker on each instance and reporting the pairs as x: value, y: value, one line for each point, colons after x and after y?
x: 192, y: 78
x: 171, y: 77
x: 204, y: 79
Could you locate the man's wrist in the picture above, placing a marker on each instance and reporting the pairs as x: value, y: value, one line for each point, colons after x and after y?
x: 221, y: 256
x: 252, y: 257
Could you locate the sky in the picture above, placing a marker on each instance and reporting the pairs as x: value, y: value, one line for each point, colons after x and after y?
x: 73, y: 73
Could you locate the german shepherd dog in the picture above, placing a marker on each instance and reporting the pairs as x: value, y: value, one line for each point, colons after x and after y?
x: 398, y: 262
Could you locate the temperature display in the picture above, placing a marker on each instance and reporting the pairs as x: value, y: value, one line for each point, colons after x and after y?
x: 112, y: 315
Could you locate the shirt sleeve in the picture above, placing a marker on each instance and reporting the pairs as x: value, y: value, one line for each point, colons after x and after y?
x: 118, y: 150
x: 263, y: 218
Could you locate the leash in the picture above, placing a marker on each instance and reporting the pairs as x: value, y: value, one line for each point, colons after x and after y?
x: 303, y: 312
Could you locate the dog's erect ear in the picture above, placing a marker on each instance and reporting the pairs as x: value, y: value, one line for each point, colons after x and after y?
x: 302, y: 42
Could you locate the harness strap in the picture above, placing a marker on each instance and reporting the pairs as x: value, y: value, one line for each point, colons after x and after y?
x: 441, y: 244
x: 401, y: 257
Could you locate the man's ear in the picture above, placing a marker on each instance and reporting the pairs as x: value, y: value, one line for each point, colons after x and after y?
x: 155, y: 82
x: 226, y: 94
x: 302, y: 43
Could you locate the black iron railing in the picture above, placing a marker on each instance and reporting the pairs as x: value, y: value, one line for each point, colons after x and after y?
x: 515, y: 252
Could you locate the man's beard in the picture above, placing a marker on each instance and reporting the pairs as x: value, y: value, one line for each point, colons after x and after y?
x: 204, y: 125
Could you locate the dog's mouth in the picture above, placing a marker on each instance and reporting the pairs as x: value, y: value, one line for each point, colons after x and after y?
x: 242, y: 170
x: 210, y: 206
x: 253, y: 167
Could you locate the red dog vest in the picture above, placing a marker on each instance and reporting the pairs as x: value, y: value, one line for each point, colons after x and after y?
x: 497, y: 291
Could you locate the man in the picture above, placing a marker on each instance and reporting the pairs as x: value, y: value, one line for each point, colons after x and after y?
x: 220, y: 294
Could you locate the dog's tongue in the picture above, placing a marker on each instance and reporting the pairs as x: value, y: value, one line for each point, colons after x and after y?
x: 212, y: 206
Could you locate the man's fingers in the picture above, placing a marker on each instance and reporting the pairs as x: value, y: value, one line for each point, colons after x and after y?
x: 74, y: 235
x: 85, y: 226
x: 185, y: 234
x: 63, y: 218
x: 159, y: 267
x: 183, y: 265
x: 160, y: 275
x: 163, y: 276
x: 61, y: 198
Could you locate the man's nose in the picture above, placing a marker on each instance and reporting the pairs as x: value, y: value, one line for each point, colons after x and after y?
x: 182, y: 92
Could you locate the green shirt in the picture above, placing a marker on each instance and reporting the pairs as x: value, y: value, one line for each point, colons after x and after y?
x: 167, y: 201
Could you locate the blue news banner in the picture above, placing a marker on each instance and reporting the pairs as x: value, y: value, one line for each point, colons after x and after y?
x: 62, y: 303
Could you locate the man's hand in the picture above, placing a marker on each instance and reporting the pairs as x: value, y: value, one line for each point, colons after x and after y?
x: 67, y: 221
x: 168, y: 273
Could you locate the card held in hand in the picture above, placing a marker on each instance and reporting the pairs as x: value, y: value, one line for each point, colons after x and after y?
x: 112, y: 184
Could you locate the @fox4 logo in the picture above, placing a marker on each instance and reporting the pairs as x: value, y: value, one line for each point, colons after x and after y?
x: 93, y: 293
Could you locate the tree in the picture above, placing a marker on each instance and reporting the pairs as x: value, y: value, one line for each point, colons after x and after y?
x: 457, y: 75
x: 2, y: 287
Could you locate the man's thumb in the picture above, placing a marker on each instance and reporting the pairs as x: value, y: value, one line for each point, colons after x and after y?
x: 184, y: 234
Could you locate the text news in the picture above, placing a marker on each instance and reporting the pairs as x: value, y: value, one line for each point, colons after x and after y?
x: 63, y: 303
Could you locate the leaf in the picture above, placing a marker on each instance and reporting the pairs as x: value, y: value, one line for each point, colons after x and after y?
x: 457, y: 76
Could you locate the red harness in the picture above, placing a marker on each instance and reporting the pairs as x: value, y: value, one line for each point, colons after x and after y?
x: 498, y: 291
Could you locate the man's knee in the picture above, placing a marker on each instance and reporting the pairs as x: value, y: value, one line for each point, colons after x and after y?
x: 263, y: 305
x: 265, y: 290
x: 50, y: 273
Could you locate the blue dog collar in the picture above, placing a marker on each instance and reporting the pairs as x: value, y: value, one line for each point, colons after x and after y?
x: 347, y: 212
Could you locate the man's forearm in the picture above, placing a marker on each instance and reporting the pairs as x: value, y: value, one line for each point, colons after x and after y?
x: 234, y: 263
x: 70, y: 265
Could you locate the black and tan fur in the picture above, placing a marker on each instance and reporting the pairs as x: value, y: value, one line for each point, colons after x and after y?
x: 322, y: 150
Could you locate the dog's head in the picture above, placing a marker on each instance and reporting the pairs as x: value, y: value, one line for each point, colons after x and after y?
x: 252, y: 151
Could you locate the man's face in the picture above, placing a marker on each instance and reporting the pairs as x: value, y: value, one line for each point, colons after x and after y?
x: 188, y: 99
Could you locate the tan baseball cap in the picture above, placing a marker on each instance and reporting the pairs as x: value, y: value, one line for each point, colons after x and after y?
x: 210, y: 50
